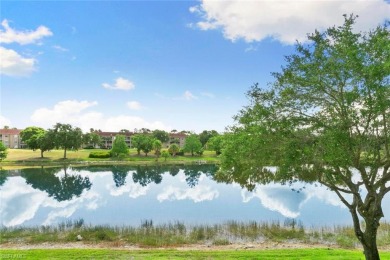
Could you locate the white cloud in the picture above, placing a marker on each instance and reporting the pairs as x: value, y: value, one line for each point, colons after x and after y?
x: 134, y: 190
x: 19, y: 202
x: 198, y: 194
x: 60, y: 48
x: 280, y: 199
x: 9, y: 35
x: 285, y: 21
x: 134, y: 105
x: 120, y: 84
x: 68, y: 111
x: 74, y: 112
x: 12, y: 64
x: 4, y: 121
x: 189, y: 96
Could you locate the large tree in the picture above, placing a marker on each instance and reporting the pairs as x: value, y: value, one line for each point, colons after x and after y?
x: 161, y: 135
x: 206, y: 135
x: 29, y: 136
x: 216, y: 143
x: 192, y: 144
x: 147, y: 143
x: 173, y: 149
x: 136, y: 142
x: 325, y: 119
x: 119, y: 146
x: 38, y: 138
x: 67, y: 137
x: 92, y: 139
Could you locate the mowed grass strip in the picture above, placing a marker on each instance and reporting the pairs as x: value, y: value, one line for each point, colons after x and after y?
x: 301, y: 254
x: 20, y: 155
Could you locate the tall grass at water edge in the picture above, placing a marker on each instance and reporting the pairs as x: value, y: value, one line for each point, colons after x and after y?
x: 148, y: 234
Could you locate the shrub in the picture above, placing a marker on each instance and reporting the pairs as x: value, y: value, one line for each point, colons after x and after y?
x: 100, y: 154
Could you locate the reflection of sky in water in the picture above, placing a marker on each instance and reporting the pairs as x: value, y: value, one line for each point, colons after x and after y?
x: 171, y: 200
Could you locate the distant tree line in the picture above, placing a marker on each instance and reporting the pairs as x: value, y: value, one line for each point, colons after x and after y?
x: 68, y: 137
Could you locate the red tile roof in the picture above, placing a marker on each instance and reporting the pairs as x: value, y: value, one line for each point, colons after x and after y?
x: 10, y: 131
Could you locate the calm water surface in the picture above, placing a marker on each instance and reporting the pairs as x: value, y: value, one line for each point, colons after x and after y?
x: 126, y: 195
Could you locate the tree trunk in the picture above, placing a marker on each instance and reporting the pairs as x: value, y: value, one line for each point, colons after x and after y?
x: 369, y: 239
x: 371, y: 211
x: 64, y: 153
x: 371, y: 251
x: 41, y: 154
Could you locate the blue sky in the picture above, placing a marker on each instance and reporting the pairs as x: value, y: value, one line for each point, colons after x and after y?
x: 183, y: 65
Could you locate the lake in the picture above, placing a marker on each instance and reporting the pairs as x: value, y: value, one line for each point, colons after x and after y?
x: 128, y: 195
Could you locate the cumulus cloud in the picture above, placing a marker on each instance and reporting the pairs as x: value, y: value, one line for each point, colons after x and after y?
x: 77, y: 113
x: 13, y: 64
x: 120, y: 84
x: 285, y: 21
x: 9, y: 35
x: 68, y: 111
x: 134, y: 105
x: 198, y: 194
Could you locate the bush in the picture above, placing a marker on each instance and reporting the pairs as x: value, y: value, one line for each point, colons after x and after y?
x: 100, y: 154
x: 200, y: 152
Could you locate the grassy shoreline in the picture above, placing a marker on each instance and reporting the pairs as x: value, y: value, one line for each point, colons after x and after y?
x: 25, y: 158
x: 178, y: 234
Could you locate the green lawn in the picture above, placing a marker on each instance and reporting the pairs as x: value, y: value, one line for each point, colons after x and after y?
x: 301, y: 254
x: 20, y: 156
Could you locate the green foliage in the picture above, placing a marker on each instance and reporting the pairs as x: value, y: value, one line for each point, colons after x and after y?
x: 216, y: 144
x: 161, y: 135
x: 119, y: 146
x: 92, y: 139
x: 136, y: 142
x: 326, y: 113
x: 173, y: 149
x: 157, y: 145
x: 192, y: 144
x: 165, y: 154
x: 205, y: 136
x: 100, y: 154
x: 3, y: 151
x: 66, y: 136
x: 30, y: 136
x: 147, y: 144
x: 38, y: 138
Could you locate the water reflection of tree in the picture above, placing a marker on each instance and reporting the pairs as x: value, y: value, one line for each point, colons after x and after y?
x: 174, y: 170
x: 3, y: 177
x: 119, y: 174
x: 147, y: 174
x: 193, y: 172
x: 60, y: 188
